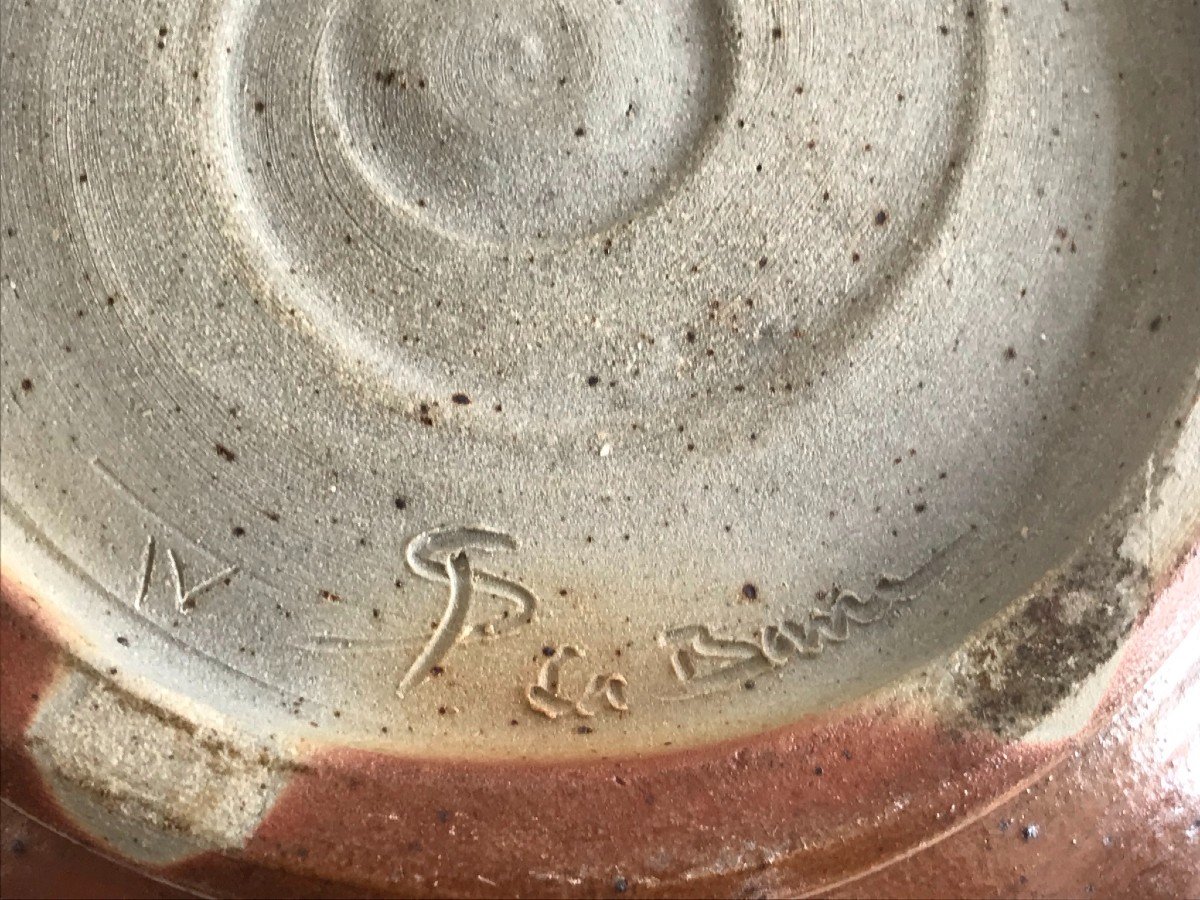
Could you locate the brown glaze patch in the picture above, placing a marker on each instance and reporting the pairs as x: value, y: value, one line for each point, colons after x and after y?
x: 1110, y: 820
x: 30, y: 655
x: 38, y: 862
x: 31, y: 660
x: 689, y: 823
x: 857, y: 803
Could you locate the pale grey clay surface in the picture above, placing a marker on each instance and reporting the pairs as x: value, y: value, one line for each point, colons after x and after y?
x: 541, y: 379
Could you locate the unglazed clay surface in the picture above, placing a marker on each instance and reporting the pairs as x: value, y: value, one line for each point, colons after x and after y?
x: 554, y: 379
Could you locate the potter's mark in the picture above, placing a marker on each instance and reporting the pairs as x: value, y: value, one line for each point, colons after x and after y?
x: 705, y: 662
x: 185, y: 597
x: 548, y: 697
x: 441, y: 556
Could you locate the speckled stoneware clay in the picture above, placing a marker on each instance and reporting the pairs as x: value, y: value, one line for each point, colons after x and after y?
x: 492, y: 396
